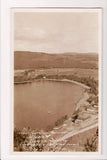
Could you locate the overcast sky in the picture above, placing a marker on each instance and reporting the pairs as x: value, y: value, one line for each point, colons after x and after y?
x: 56, y: 32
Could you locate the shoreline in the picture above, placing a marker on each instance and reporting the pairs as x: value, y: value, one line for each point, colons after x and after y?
x: 61, y: 80
x: 83, y: 98
x: 72, y: 81
x: 69, y: 128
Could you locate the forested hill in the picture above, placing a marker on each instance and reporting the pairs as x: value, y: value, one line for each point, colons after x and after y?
x: 28, y: 60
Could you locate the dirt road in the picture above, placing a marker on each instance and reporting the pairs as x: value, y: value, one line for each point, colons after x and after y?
x: 69, y: 135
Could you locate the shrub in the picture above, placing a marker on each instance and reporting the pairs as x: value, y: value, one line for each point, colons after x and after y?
x: 49, y: 128
x: 61, y: 120
x: 91, y: 144
x: 90, y: 99
x: 40, y: 76
x: 19, y: 138
x: 38, y: 142
x: 93, y: 99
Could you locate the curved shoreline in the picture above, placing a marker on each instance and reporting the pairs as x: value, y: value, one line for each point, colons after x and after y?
x: 81, y: 100
x: 61, y: 80
x: 72, y: 81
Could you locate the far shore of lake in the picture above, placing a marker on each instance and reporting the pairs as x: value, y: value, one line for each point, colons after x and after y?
x: 57, y: 80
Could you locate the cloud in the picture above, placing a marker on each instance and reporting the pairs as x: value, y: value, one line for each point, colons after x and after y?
x: 56, y: 32
x: 31, y: 34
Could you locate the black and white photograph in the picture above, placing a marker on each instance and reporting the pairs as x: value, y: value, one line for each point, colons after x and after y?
x: 56, y: 54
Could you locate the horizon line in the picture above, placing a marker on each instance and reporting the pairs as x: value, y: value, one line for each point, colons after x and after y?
x: 58, y: 52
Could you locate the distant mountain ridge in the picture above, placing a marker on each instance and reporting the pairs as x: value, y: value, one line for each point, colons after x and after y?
x: 30, y: 60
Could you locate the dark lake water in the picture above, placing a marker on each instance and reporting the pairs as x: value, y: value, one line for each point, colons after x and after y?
x: 41, y: 103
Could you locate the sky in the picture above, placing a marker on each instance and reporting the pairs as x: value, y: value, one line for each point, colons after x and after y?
x: 56, y: 32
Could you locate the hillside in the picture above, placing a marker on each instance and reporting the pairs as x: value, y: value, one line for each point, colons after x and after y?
x: 30, y: 60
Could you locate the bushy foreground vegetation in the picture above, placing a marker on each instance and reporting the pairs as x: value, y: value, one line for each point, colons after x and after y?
x: 19, y: 139
x: 91, y: 144
x: 26, y: 141
x: 36, y: 141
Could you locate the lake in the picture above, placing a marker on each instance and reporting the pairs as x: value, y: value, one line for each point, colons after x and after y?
x: 41, y: 103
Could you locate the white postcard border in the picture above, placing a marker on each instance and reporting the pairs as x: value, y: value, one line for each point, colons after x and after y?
x: 5, y: 68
